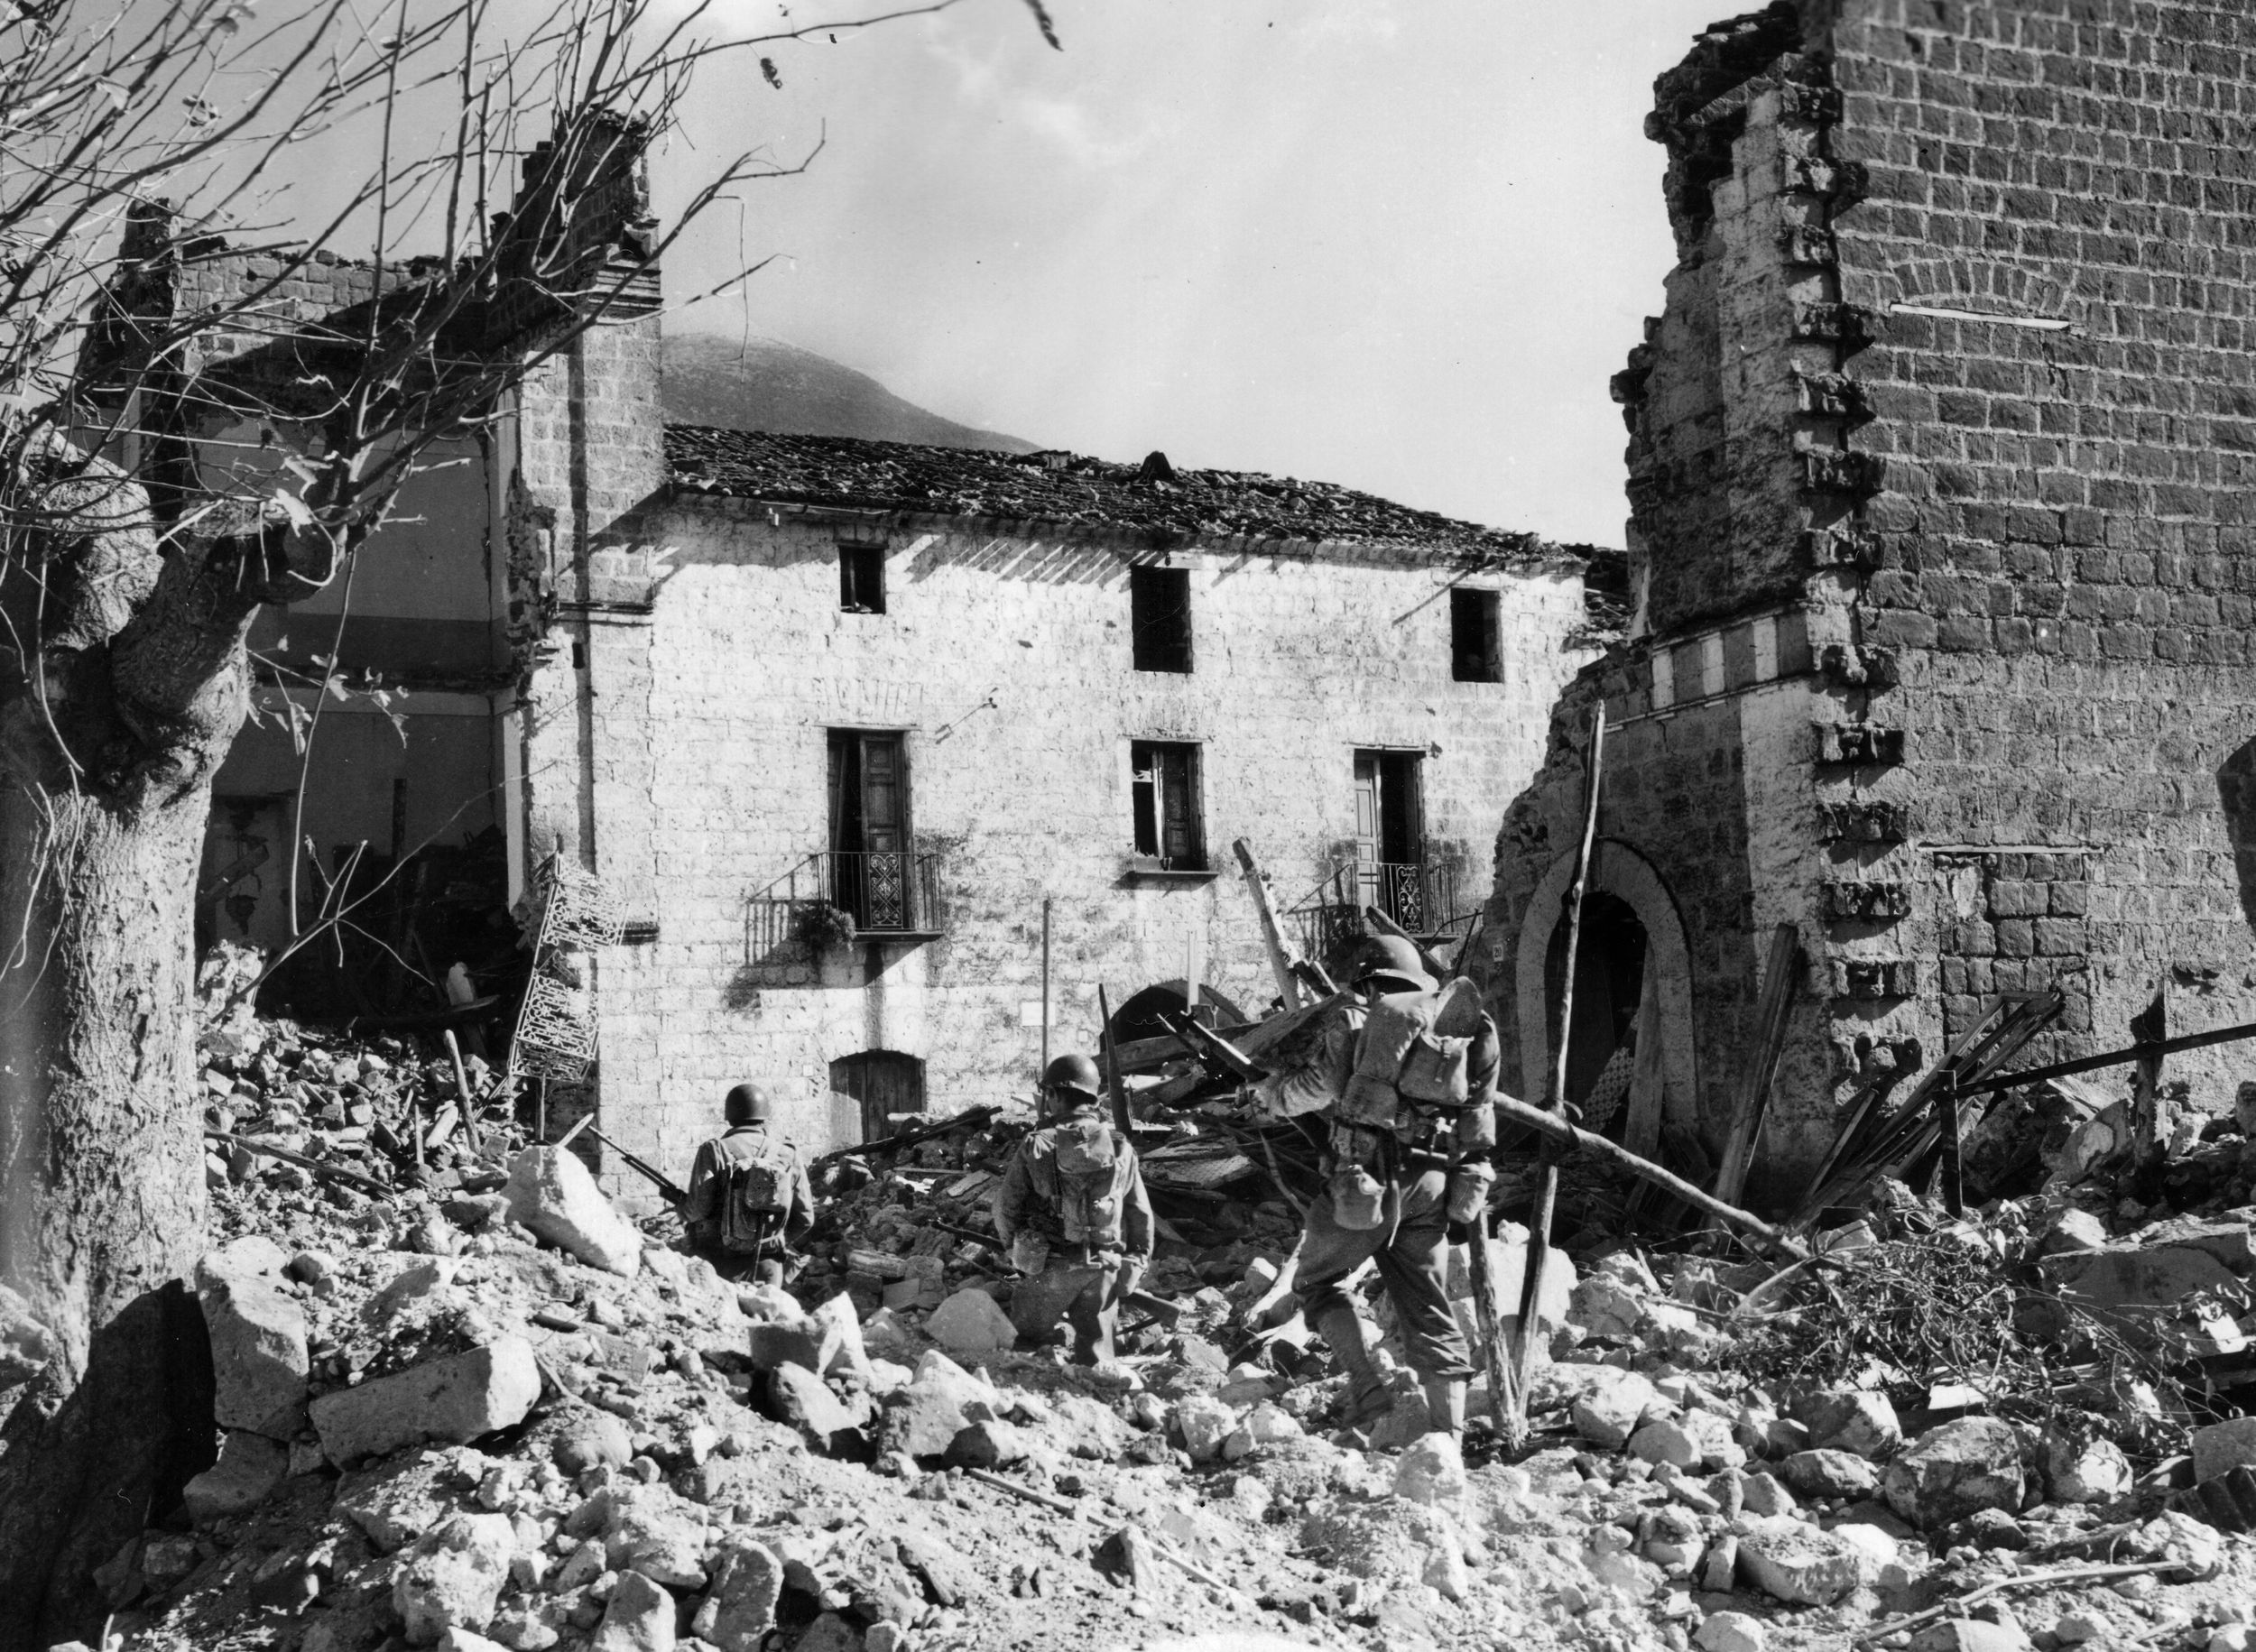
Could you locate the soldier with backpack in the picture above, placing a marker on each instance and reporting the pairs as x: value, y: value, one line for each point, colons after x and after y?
x: 1411, y: 1119
x: 749, y: 1200
x: 1072, y: 1209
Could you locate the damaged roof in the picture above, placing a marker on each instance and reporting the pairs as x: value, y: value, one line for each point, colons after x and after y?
x: 1072, y: 490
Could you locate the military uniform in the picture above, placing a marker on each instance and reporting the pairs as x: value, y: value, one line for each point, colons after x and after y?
x: 1071, y: 1265
x: 705, y: 1213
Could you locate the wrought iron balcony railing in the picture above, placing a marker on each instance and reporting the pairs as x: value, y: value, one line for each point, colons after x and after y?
x: 882, y: 891
x: 1421, y: 897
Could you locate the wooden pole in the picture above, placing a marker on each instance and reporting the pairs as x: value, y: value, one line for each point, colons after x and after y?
x: 1279, y: 960
x: 462, y: 1090
x: 1559, y: 1129
x: 1045, y: 984
x: 1753, y: 1100
x: 1122, y: 1120
x: 1515, y: 1425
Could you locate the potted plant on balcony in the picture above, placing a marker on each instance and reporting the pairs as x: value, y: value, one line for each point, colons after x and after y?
x: 823, y: 925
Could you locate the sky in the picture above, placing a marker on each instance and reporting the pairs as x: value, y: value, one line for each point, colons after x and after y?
x: 1396, y: 244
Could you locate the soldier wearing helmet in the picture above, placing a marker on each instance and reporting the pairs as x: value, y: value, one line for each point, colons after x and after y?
x: 749, y: 1200
x: 1412, y: 1124
x: 1072, y: 1209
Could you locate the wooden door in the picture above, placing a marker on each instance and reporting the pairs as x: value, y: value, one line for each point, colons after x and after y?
x: 885, y: 1084
x: 1367, y: 801
x: 869, y: 828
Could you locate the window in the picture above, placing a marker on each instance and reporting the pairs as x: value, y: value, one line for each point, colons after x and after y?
x: 872, y: 870
x: 1158, y: 608
x: 862, y: 578
x: 1165, y: 797
x: 1476, y: 653
x: 1390, y: 839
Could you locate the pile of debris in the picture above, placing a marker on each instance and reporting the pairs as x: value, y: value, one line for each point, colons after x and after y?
x: 478, y: 1406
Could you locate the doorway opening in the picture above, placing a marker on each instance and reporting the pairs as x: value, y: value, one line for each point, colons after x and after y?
x: 1390, y: 838
x: 1609, y: 977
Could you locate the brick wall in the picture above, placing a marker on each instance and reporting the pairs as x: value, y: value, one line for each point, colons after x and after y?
x: 1954, y: 367
x: 1005, y: 660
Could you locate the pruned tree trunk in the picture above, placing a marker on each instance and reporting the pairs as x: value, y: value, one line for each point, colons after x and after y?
x: 110, y: 733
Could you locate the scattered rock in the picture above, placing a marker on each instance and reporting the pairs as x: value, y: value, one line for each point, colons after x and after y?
x: 2086, y: 1471
x: 552, y: 1193
x: 971, y: 1321
x: 1953, y: 1470
x: 1611, y: 1411
x: 596, y: 1437
x: 1798, y: 1563
x: 739, y: 1608
x: 1829, y: 1474
x: 1730, y: 1631
x: 453, y: 1577
x: 258, y: 1338
x: 1857, y: 1421
x: 1969, y: 1635
x: 1665, y: 1441
x: 1202, y: 1422
x: 2221, y: 1447
x: 1431, y: 1471
x: 456, y: 1398
x: 638, y: 1617
x: 250, y: 1467
x: 652, y: 1531
x: 925, y: 1417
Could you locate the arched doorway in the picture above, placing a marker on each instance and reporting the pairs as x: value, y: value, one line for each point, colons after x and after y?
x: 884, y: 1082
x: 1609, y: 982
x: 1138, y: 1017
x: 1618, y: 872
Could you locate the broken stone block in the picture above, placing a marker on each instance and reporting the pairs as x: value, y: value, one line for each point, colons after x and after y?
x: 840, y: 1352
x: 2086, y: 1470
x: 1969, y: 1635
x: 992, y: 1444
x: 453, y: 1577
x: 258, y: 1338
x: 1445, y: 1572
x: 2221, y: 1447
x: 1853, y: 1420
x: 1202, y: 1422
x: 456, y: 1398
x: 923, y: 1417
x: 1665, y: 1441
x: 1798, y: 1563
x: 1729, y: 1631
x: 1953, y: 1470
x: 739, y: 1608
x: 596, y: 1437
x: 1719, y: 1569
x: 782, y: 1342
x: 1829, y: 1473
x: 1267, y: 1424
x: 462, y: 1641
x: 1612, y: 1409
x: 2135, y: 1284
x: 550, y: 1192
x: 1432, y: 1471
x: 250, y: 1467
x: 1763, y: 1493
x: 971, y: 1321
x: 2226, y: 1240
x: 828, y: 1633
x: 803, y: 1400
x: 638, y: 1617
x: 652, y: 1531
x: 2073, y: 1230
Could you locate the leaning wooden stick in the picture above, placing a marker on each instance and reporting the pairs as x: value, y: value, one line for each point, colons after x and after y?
x: 1529, y: 1343
x: 1569, y: 1135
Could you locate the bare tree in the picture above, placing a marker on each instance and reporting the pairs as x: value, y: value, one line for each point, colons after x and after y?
x: 139, y: 151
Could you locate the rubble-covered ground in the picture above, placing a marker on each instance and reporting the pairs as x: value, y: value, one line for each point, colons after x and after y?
x: 473, y: 1405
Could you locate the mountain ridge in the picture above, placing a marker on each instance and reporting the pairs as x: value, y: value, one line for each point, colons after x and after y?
x: 768, y: 386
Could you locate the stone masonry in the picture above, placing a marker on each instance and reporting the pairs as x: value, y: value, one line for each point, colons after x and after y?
x: 1939, y: 484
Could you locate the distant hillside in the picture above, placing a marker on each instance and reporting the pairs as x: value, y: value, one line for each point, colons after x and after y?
x: 763, y: 384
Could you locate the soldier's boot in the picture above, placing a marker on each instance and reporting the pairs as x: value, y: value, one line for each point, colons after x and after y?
x: 1444, y: 1405
x: 1368, y: 1397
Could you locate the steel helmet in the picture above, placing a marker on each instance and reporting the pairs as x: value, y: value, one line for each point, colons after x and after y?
x: 1073, y: 1073
x: 747, y: 1105
x: 1389, y: 954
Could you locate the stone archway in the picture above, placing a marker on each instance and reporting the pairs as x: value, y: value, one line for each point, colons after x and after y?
x: 1619, y: 871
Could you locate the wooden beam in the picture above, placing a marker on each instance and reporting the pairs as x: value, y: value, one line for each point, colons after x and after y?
x: 1280, y: 957
x: 1752, y: 1102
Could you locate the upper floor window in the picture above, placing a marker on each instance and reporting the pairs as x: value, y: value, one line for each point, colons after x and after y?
x: 1159, y: 607
x: 1476, y: 652
x: 862, y: 578
x: 1168, y: 828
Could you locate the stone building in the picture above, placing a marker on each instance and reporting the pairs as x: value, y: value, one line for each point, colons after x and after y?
x: 847, y: 724
x: 1939, y: 475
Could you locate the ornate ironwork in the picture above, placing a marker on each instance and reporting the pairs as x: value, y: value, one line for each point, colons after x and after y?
x: 1421, y: 897
x: 883, y: 892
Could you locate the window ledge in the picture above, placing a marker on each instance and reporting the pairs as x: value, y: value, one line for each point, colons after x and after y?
x: 1132, y: 874
x: 902, y: 938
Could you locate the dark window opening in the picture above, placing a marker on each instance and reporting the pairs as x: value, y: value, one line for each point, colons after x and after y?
x: 1158, y: 606
x: 862, y: 578
x: 870, y: 875
x: 1609, y: 977
x: 1165, y: 797
x: 1476, y: 652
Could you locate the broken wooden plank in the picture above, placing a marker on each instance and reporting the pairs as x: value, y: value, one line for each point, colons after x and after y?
x: 1273, y: 938
x: 1752, y: 1105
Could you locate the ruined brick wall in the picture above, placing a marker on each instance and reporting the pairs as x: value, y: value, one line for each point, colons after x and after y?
x: 1954, y: 379
x: 1004, y: 659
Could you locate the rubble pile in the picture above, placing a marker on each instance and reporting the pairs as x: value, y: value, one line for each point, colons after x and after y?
x: 478, y: 1407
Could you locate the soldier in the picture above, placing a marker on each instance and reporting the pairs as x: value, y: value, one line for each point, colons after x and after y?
x: 1412, y: 1124
x: 1072, y: 1209
x: 749, y: 1200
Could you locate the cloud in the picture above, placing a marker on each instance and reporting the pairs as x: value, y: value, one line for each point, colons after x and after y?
x: 1065, y: 125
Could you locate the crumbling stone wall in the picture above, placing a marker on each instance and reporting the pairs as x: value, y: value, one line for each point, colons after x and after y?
x: 1004, y: 658
x: 1954, y: 378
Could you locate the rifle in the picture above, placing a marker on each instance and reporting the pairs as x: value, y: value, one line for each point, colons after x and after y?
x: 1158, y: 1307
x: 1122, y: 1120
x: 671, y: 1191
x: 1213, y: 1050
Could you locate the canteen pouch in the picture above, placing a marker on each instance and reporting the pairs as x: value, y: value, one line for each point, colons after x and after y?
x: 1358, y: 1201
x: 1468, y: 1190
x: 1434, y: 1070
x: 1029, y: 1252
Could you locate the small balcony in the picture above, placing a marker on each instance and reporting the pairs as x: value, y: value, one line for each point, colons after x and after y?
x: 1420, y: 896
x: 885, y: 895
